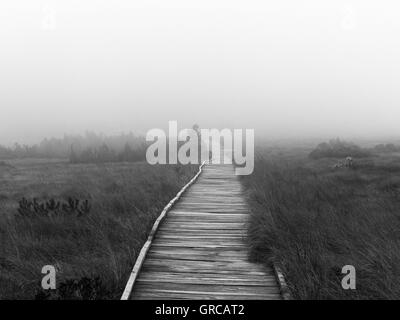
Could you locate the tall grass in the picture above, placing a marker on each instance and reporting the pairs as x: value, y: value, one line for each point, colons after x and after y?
x: 126, y: 199
x: 313, y: 221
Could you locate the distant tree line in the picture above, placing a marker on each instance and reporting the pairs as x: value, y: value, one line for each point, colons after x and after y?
x: 90, y: 147
x: 337, y: 148
x: 386, y: 148
x: 104, y: 153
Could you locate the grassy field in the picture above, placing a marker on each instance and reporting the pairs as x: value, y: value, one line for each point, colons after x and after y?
x: 98, y: 249
x: 313, y: 220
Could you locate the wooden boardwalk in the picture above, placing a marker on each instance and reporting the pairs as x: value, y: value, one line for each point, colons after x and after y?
x: 199, y: 250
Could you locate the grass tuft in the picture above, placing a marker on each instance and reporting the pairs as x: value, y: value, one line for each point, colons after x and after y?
x: 125, y: 200
x: 313, y: 221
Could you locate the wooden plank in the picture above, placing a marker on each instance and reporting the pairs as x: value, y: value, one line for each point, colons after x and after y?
x: 144, y: 293
x: 204, y: 231
x: 167, y: 295
x: 210, y: 226
x: 196, y: 278
x: 212, y: 289
x: 193, y: 214
x: 181, y: 266
x: 205, y: 275
x: 179, y: 255
x: 201, y: 281
x: 195, y: 244
x: 218, y: 272
x: 193, y: 237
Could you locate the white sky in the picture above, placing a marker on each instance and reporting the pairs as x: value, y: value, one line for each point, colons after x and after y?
x: 286, y: 68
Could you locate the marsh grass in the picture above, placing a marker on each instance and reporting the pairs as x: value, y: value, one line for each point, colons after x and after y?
x: 314, y: 220
x: 126, y: 198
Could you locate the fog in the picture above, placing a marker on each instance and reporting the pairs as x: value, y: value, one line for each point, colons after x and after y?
x: 287, y: 69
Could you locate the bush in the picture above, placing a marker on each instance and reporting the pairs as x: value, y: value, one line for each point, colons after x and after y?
x: 52, y: 207
x: 104, y: 154
x: 105, y: 146
x: 338, y: 149
x: 386, y: 148
x: 76, y: 289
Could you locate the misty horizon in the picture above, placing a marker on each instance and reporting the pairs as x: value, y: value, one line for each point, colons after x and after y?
x: 260, y: 139
x: 288, y: 70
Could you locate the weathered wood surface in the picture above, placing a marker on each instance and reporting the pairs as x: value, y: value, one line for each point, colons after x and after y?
x: 199, y: 250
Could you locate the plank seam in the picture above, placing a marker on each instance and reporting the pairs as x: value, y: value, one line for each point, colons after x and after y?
x: 139, y: 261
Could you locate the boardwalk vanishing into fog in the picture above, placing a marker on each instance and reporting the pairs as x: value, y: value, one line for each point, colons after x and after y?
x: 199, y: 249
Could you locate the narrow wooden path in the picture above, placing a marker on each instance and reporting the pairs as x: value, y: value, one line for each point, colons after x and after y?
x: 199, y: 250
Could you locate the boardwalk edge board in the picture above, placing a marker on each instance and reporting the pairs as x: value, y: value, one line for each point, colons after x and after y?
x: 284, y: 288
x: 139, y: 261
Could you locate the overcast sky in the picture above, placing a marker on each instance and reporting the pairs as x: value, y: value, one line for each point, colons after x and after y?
x: 285, y: 68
